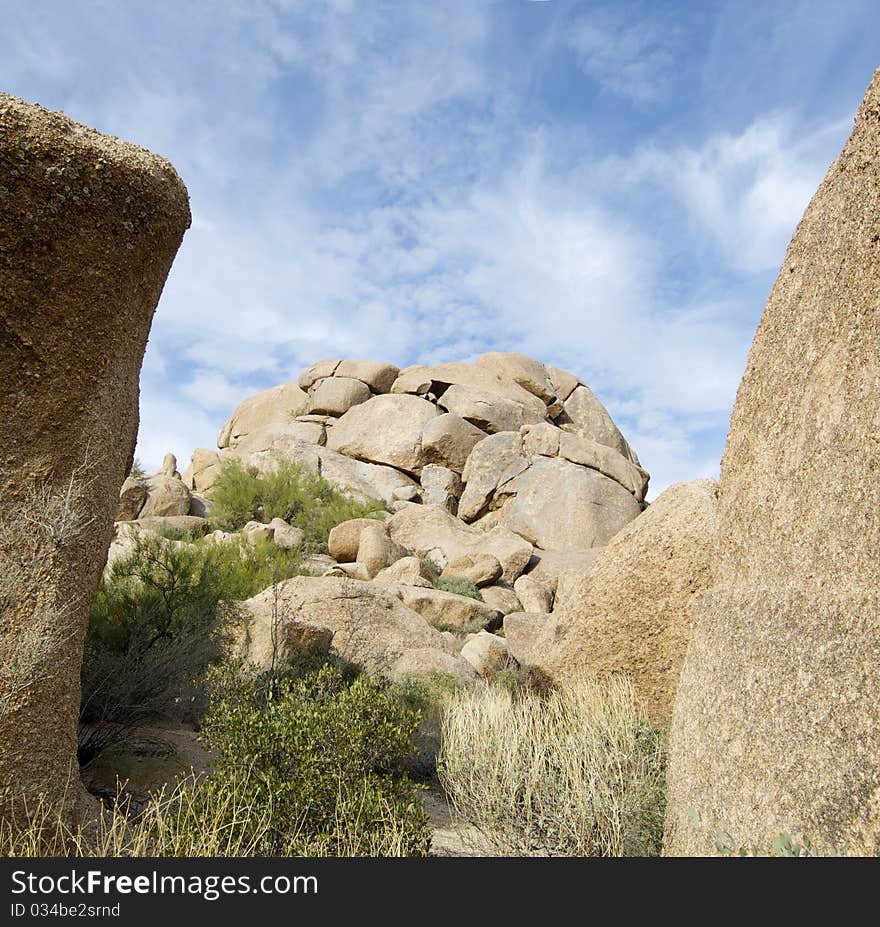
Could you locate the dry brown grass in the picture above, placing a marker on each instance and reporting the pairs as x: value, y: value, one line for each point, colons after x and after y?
x: 575, y: 772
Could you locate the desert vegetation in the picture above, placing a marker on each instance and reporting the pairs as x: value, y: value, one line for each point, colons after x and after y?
x: 314, y: 505
x: 571, y: 772
x: 312, y: 757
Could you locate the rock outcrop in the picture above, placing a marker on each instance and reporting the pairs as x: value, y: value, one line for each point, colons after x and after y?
x: 632, y: 611
x: 775, y: 721
x: 497, y: 472
x: 89, y: 226
x: 367, y: 624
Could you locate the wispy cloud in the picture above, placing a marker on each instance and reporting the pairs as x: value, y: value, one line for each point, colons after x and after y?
x: 420, y: 182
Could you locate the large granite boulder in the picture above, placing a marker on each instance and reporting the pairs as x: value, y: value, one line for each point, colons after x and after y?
x: 368, y: 625
x: 89, y: 226
x: 275, y: 406
x: 633, y: 610
x: 385, y: 430
x: 775, y: 725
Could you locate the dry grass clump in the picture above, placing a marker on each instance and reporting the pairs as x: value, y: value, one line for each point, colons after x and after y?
x: 197, y: 817
x: 574, y: 772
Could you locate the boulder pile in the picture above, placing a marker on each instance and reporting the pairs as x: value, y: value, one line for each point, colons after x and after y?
x: 503, y: 473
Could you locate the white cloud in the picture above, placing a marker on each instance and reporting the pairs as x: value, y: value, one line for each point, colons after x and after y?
x: 749, y: 189
x: 631, y: 60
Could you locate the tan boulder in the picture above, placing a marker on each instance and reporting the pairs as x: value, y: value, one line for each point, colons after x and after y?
x: 487, y: 653
x: 275, y: 406
x: 426, y: 529
x: 132, y: 497
x: 448, y: 439
x: 528, y: 373
x: 378, y: 376
x: 775, y: 721
x: 351, y: 570
x: 385, y: 430
x: 501, y: 599
x: 550, y: 566
x: 411, y: 571
x: 489, y: 411
x: 376, y: 550
x: 440, y: 486
x: 530, y: 635
x: 202, y: 471
x: 310, y: 432
x: 480, y: 568
x: 336, y: 395
x: 286, y: 536
x: 317, y: 371
x: 166, y: 495
x: 446, y: 611
x: 345, y: 538
x: 556, y: 505
x: 432, y: 662
x: 633, y: 611
x: 591, y: 419
x: 478, y: 380
x: 89, y: 226
x: 267, y: 447
x: 534, y: 595
x: 363, y: 481
x: 491, y: 465
x: 547, y: 440
x: 370, y: 626
x: 563, y: 382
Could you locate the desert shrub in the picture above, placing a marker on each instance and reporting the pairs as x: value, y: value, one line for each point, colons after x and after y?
x: 575, y: 772
x: 160, y: 617
x: 200, y: 816
x: 323, y: 753
x: 242, y: 494
x: 425, y: 694
x: 247, y: 567
x: 137, y: 470
x: 460, y: 585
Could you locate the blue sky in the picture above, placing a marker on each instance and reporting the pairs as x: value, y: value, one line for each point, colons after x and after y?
x: 609, y: 187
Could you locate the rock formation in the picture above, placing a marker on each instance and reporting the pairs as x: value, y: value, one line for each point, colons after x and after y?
x: 632, y: 611
x: 498, y: 472
x: 775, y: 721
x: 89, y: 226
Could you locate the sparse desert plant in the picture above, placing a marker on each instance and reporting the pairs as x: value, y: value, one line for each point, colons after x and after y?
x: 573, y: 772
x: 137, y: 470
x: 460, y: 585
x: 324, y: 753
x: 242, y: 494
x: 201, y: 816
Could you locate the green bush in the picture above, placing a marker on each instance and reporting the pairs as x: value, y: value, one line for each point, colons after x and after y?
x: 242, y: 494
x: 247, y: 567
x: 324, y: 754
x: 460, y: 586
x: 161, y: 616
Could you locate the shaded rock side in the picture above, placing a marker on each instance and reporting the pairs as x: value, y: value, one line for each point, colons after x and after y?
x: 633, y: 610
x: 89, y: 226
x: 775, y: 722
